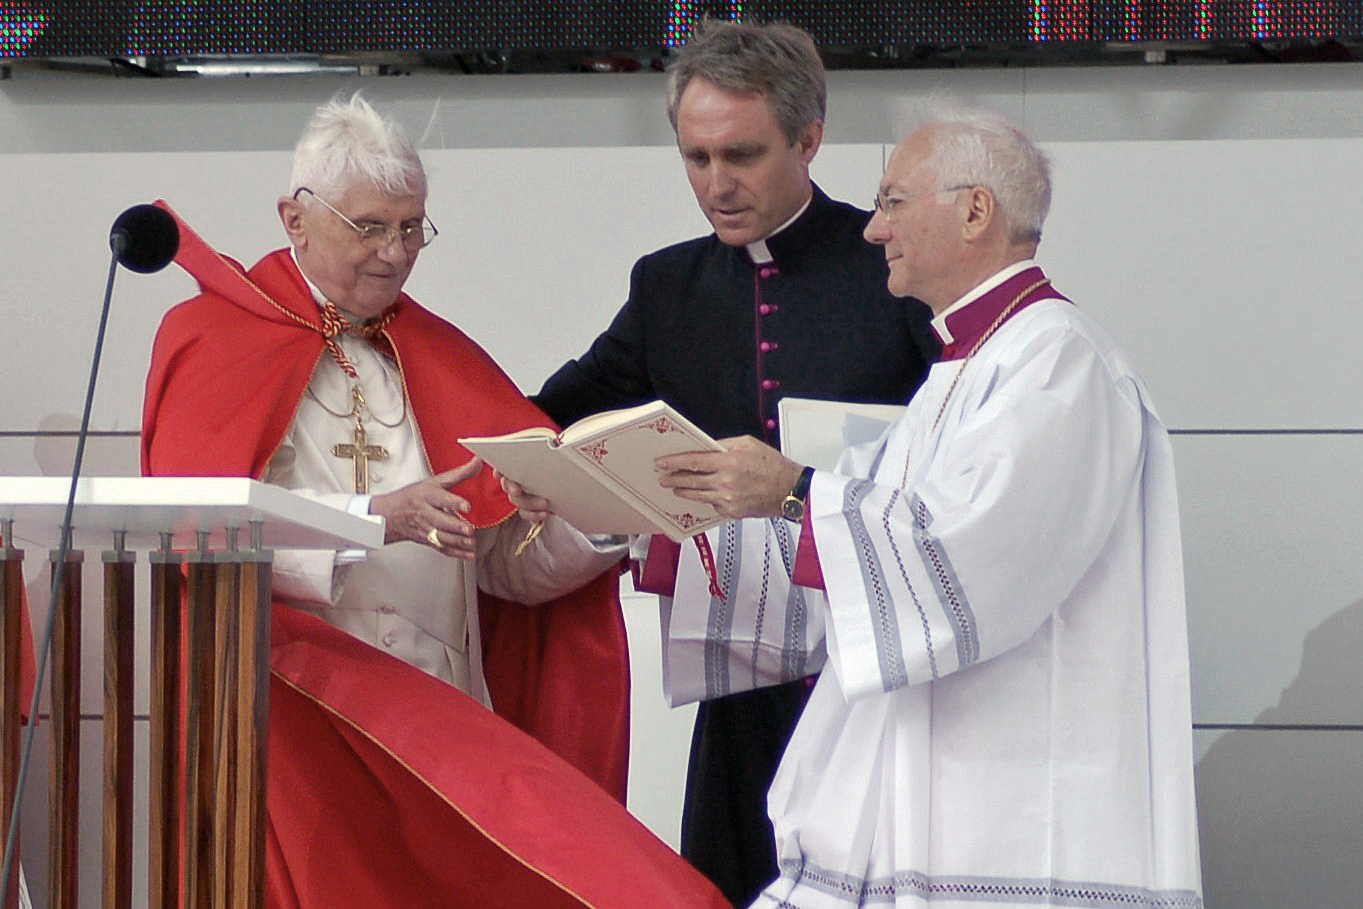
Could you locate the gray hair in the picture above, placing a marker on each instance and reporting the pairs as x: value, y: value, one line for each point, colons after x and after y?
x: 972, y: 147
x: 347, y: 141
x: 778, y: 61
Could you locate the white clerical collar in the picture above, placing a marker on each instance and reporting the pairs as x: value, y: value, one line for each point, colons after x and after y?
x: 939, y: 321
x: 318, y: 297
x: 758, y: 251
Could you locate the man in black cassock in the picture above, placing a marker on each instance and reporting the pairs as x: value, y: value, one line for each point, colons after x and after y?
x: 784, y: 298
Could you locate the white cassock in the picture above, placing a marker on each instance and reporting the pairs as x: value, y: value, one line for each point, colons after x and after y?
x: 407, y: 598
x: 1003, y: 714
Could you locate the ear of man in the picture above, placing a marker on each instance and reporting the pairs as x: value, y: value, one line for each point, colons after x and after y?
x: 981, y: 210
x: 810, y: 140
x: 291, y: 216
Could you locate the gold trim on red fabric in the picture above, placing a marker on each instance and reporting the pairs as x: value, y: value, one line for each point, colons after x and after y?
x: 435, y: 789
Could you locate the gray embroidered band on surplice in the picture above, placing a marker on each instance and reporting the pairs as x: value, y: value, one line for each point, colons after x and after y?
x: 884, y: 619
x: 950, y: 594
x: 795, y: 642
x: 1001, y: 890
x: 923, y: 622
x: 719, y: 624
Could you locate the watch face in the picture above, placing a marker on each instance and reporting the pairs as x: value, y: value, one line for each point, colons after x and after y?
x: 793, y: 509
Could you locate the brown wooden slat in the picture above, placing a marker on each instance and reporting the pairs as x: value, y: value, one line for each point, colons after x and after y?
x: 63, y: 833
x: 199, y: 732
x: 225, y: 725
x: 253, y: 696
x: 119, y: 608
x: 165, y: 767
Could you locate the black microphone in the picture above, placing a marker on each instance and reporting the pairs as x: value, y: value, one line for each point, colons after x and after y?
x: 144, y: 239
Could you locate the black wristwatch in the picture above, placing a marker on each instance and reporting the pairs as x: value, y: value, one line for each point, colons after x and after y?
x: 793, y: 506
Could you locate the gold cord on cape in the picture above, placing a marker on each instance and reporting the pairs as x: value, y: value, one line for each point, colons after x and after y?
x: 332, y: 325
x: 358, y: 449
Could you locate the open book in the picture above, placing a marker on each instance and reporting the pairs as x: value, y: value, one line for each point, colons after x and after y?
x: 815, y: 432
x: 598, y: 474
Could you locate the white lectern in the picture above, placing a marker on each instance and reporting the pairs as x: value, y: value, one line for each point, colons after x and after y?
x: 209, y: 542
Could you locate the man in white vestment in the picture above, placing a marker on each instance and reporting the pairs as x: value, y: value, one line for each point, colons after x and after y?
x: 994, y: 587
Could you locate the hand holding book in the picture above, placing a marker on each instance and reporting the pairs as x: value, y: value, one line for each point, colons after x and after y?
x: 599, y: 474
x: 532, y: 508
x: 746, y: 480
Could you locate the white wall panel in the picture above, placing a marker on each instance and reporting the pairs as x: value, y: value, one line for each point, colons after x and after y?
x: 1274, y: 583
x: 1220, y: 267
x: 1193, y: 253
x: 33, y: 455
x: 1279, y: 814
x: 52, y: 291
x: 660, y: 736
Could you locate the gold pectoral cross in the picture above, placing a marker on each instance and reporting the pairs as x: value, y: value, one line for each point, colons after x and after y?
x: 363, y: 453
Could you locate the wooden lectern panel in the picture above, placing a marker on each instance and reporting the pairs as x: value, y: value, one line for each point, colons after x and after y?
x: 166, y: 770
x: 64, y: 831
x: 118, y: 729
x: 253, y: 705
x: 200, y: 688
x: 224, y: 724
x: 210, y: 627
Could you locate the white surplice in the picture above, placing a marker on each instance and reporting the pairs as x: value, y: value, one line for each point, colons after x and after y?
x: 1003, y: 714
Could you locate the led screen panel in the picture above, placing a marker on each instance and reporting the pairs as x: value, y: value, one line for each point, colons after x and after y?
x: 167, y: 28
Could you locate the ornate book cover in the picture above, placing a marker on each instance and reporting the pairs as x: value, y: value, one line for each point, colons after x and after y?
x: 598, y: 473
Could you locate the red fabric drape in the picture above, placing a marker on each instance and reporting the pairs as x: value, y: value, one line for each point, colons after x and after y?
x: 466, y: 812
x: 386, y: 786
x: 228, y: 369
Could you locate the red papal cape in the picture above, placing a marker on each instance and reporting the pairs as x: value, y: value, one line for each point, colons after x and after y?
x: 387, y: 787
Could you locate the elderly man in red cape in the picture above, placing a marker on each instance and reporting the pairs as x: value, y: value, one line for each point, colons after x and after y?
x: 390, y: 786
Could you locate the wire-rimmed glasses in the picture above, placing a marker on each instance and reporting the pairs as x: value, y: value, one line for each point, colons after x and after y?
x: 414, y: 235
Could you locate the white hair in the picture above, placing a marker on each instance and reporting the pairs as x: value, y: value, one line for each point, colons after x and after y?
x: 974, y: 147
x: 347, y: 141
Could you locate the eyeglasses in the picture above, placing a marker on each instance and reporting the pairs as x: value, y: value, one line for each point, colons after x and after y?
x: 889, y: 206
x: 414, y: 236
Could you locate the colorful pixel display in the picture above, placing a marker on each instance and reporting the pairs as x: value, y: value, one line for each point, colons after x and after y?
x: 174, y: 28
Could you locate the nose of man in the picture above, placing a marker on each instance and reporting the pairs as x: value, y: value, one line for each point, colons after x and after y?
x: 720, y: 182
x: 395, y: 252
x: 877, y: 229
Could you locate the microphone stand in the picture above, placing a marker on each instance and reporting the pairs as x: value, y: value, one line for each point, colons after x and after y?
x: 118, y: 242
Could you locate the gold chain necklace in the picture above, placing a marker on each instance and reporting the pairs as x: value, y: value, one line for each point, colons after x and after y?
x: 956, y: 380
x: 358, y: 449
x: 988, y: 333
x: 359, y: 406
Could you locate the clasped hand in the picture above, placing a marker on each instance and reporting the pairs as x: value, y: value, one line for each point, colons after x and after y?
x: 427, y: 512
